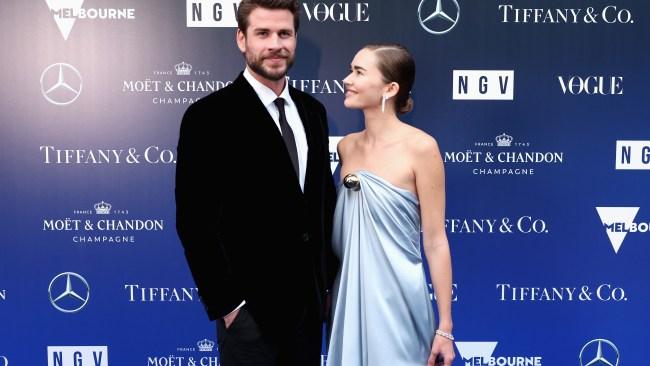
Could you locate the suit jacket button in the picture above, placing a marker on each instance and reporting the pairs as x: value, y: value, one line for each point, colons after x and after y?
x: 305, y: 237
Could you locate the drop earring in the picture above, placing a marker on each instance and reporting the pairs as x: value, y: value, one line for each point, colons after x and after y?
x: 383, y: 103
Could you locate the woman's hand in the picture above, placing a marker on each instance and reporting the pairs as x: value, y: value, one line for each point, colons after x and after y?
x: 442, y: 352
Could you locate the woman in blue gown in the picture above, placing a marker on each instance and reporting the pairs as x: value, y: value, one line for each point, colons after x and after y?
x: 392, y: 190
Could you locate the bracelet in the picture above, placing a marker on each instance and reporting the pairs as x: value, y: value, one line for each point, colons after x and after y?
x: 444, y: 334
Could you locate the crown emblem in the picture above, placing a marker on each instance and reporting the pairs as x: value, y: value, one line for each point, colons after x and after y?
x: 504, y: 140
x: 205, y: 345
x: 183, y: 68
x: 103, y: 208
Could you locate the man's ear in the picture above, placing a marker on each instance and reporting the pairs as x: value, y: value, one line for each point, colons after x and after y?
x: 241, y: 40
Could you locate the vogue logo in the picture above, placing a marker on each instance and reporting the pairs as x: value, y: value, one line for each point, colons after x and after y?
x: 337, y: 12
x: 591, y: 85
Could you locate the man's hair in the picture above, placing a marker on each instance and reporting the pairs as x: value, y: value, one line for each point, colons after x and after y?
x: 247, y: 6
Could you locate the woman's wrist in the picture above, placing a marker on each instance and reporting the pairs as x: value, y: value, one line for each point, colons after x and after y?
x: 446, y: 326
x: 444, y: 334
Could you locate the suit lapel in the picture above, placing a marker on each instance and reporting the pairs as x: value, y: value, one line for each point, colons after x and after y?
x: 270, y: 133
x: 312, y: 140
x: 256, y: 109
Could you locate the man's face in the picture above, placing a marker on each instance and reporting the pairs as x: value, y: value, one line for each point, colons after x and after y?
x: 269, y: 44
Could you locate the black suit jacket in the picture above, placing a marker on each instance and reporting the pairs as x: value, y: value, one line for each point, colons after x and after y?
x: 248, y: 231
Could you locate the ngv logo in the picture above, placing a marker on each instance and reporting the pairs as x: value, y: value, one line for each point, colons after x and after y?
x: 591, y: 85
x: 211, y: 13
x: 337, y: 12
x: 77, y: 356
x: 483, y: 84
x: 632, y: 155
x: 618, y: 222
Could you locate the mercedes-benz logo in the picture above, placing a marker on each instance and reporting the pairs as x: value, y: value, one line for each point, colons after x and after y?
x: 440, y: 21
x: 601, y: 358
x: 5, y: 361
x: 71, y: 295
x: 61, y: 83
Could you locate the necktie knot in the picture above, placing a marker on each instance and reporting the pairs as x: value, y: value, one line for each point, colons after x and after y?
x: 279, y: 102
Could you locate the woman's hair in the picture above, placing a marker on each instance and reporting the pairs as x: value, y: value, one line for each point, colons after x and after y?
x: 396, y: 65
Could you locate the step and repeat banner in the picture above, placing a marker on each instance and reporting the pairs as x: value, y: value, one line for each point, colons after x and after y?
x: 540, y: 108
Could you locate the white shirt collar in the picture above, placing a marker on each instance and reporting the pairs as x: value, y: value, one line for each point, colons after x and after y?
x: 266, y: 95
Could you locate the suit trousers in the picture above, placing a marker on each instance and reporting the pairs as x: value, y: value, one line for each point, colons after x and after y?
x: 242, y: 343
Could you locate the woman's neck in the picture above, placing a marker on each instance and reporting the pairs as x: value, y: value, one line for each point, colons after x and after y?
x: 380, y: 126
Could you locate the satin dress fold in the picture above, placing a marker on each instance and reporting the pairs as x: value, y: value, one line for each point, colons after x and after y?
x: 382, y: 311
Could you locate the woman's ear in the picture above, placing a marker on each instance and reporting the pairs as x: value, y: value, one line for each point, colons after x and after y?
x: 391, y: 90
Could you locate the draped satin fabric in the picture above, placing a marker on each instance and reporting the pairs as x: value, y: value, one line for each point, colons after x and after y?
x: 382, y: 310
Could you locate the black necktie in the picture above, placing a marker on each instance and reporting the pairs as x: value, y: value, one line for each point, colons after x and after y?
x: 287, y: 135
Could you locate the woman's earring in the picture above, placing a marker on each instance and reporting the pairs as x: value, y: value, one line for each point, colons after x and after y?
x: 383, y: 103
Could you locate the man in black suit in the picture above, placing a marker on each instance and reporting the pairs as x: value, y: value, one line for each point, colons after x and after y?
x: 255, y: 200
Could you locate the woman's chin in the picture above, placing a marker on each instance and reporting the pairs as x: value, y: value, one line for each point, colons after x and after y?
x: 351, y: 105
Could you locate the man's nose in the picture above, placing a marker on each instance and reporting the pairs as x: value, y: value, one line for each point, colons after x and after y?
x: 274, y: 41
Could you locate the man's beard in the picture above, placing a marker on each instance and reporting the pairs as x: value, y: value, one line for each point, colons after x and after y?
x: 257, y: 65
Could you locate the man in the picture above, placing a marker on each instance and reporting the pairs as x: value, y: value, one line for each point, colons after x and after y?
x: 255, y: 199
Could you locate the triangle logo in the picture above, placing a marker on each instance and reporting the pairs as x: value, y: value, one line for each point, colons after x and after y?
x: 612, y: 218
x: 471, y: 350
x: 334, y: 155
x: 65, y: 24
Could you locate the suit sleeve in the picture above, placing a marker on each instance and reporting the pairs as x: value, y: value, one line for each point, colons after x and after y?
x: 198, y: 217
x: 332, y: 263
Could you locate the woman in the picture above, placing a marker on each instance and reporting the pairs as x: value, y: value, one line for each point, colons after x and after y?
x: 394, y: 189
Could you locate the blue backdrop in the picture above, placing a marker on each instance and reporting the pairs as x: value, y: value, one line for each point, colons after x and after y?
x: 540, y: 109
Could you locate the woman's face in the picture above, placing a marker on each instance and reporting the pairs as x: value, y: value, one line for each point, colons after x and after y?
x: 364, y: 86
